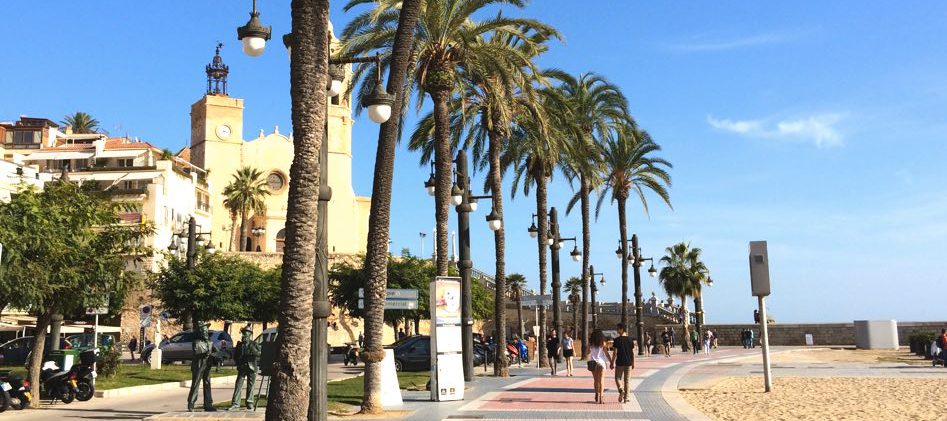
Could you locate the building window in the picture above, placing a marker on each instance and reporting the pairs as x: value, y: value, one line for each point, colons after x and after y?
x: 125, y: 163
x: 26, y: 137
x: 275, y: 181
x: 280, y: 240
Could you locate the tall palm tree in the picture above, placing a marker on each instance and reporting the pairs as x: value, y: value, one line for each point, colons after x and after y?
x: 516, y: 284
x: 630, y: 167
x: 245, y: 195
x: 482, y: 113
x: 308, y: 75
x: 449, y: 37
x: 534, y: 151
x: 595, y: 107
x: 682, y: 276
x: 397, y: 59
x: 81, y: 122
x: 574, y: 287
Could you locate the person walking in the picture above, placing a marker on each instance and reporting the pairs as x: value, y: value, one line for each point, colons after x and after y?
x: 552, y: 351
x: 623, y: 359
x: 568, y: 351
x: 752, y: 339
x: 132, y: 347
x: 647, y: 343
x: 599, y: 358
x: 713, y: 339
x: 672, y: 337
x: 695, y: 340
x: 708, y: 337
x: 666, y: 341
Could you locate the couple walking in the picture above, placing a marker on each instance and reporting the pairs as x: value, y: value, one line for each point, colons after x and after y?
x: 552, y: 351
x: 622, y: 360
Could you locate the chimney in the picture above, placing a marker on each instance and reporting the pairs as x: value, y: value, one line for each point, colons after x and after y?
x: 67, y: 130
x: 99, y: 145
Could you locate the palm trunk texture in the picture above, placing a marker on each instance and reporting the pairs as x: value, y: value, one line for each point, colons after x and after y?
x: 500, y: 366
x: 542, y: 220
x: 623, y: 232
x: 442, y: 177
x: 379, y: 218
x: 586, y: 256
x: 308, y: 74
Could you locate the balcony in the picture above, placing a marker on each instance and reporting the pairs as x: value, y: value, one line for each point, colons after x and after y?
x: 128, y: 192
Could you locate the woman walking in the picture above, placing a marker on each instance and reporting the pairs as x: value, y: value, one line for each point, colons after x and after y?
x: 599, y: 358
x: 647, y: 343
x: 707, y: 339
x: 552, y: 351
x: 568, y: 351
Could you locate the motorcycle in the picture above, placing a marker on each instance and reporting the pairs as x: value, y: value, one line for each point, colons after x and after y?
x: 16, y: 391
x: 351, y: 354
x: 57, y: 384
x: 84, y: 374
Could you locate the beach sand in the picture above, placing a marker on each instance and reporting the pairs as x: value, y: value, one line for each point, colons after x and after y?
x: 829, y: 355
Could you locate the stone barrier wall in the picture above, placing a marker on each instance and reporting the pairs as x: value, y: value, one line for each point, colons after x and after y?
x: 795, y: 334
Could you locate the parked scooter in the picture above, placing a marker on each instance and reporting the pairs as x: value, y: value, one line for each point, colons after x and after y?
x: 16, y: 391
x: 351, y: 354
x: 84, y: 374
x: 57, y: 384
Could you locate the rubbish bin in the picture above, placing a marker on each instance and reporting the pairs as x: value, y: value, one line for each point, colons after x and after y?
x: 64, y: 358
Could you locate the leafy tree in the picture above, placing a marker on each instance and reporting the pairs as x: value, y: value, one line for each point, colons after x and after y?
x: 81, y: 123
x: 262, y: 296
x: 245, y: 196
x: 65, y: 248
x: 481, y: 301
x: 630, y: 167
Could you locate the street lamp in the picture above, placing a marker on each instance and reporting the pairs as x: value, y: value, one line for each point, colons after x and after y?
x: 594, y: 290
x: 533, y: 230
x: 555, y: 242
x: 254, y: 35
x: 430, y: 184
x: 636, y: 261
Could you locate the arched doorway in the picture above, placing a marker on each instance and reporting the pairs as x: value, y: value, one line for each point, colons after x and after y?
x: 280, y: 240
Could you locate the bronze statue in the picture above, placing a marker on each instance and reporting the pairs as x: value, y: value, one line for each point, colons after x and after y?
x: 247, y: 357
x: 200, y: 368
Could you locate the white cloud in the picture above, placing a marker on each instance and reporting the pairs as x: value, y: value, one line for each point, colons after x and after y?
x: 701, y: 44
x: 820, y: 130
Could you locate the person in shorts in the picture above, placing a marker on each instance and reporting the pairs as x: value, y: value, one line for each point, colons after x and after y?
x: 623, y: 359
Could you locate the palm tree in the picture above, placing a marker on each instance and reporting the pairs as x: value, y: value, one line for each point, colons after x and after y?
x: 81, y: 122
x: 630, y: 167
x: 449, y: 37
x: 534, y: 151
x: 245, y: 195
x: 574, y: 287
x: 516, y: 285
x: 483, y: 110
x: 595, y: 107
x: 397, y: 56
x: 682, y: 276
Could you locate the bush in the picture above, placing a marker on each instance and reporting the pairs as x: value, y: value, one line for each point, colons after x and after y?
x: 110, y: 362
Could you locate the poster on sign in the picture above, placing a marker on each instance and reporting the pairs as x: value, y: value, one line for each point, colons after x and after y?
x: 447, y: 370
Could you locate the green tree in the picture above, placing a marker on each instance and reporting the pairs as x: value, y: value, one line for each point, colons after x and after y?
x: 595, y: 106
x: 397, y: 56
x: 245, y: 196
x: 682, y: 276
x: 65, y: 248
x: 516, y: 284
x: 81, y: 123
x: 630, y: 167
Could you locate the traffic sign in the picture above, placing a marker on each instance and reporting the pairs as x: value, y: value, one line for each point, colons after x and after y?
x: 96, y: 311
x: 537, y: 300
x: 395, y: 304
x: 401, y: 294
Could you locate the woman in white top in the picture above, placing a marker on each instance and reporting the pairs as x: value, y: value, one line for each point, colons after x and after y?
x: 567, y: 351
x: 599, y: 358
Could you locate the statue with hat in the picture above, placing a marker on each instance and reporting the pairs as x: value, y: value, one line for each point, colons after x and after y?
x: 201, y: 363
x: 247, y: 357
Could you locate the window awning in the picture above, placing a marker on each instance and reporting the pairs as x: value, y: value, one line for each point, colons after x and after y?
x: 42, y: 156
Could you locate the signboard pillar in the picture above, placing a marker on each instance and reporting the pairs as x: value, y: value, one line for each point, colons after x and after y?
x: 447, y: 371
x: 759, y: 282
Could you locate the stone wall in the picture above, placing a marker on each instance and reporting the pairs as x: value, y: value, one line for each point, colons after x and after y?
x: 822, y: 333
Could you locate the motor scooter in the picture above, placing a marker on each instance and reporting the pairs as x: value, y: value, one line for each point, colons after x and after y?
x: 57, y: 384
x: 84, y: 374
x: 16, y: 391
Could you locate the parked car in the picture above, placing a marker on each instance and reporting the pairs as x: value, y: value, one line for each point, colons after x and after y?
x: 412, y: 353
x: 84, y: 341
x: 15, y: 352
x: 179, y: 346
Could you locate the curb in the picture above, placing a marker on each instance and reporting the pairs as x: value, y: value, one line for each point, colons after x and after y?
x: 132, y: 390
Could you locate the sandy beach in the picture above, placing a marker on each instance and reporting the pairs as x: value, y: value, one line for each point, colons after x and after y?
x: 740, y: 398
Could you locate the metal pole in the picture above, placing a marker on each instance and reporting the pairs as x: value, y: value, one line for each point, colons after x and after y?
x: 319, y: 357
x: 554, y: 251
x: 638, y: 307
x: 190, y: 257
x: 594, y: 290
x: 464, y: 264
x: 767, y: 374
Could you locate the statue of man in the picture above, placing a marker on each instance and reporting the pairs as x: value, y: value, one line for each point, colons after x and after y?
x: 200, y: 368
x: 247, y: 357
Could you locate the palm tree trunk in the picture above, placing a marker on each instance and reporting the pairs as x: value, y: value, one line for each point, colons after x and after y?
x: 623, y: 232
x: 499, y: 237
x: 519, y: 316
x: 586, y: 256
x: 379, y: 218
x: 233, y: 231
x: 442, y: 177
x: 243, y: 231
x: 686, y: 323
x: 542, y: 219
x: 308, y: 74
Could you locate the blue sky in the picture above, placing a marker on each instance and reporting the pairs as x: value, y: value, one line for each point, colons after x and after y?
x: 816, y: 126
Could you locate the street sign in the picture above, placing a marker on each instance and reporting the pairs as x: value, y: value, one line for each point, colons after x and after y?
x: 400, y: 294
x: 537, y: 300
x: 395, y: 304
x: 96, y: 311
x: 144, y: 315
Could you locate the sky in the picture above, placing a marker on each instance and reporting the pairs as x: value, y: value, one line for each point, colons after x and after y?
x: 817, y: 126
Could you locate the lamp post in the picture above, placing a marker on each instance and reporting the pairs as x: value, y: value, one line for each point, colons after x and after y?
x: 555, y: 242
x: 466, y: 203
x: 594, y: 290
x: 195, y: 240
x: 257, y: 233
x: 636, y: 261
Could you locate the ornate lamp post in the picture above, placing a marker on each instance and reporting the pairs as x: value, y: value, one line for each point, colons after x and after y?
x: 636, y: 261
x: 592, y: 274
x: 188, y: 248
x: 555, y: 242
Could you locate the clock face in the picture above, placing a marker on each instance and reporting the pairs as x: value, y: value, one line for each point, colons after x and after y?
x: 275, y: 181
x: 223, y: 131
